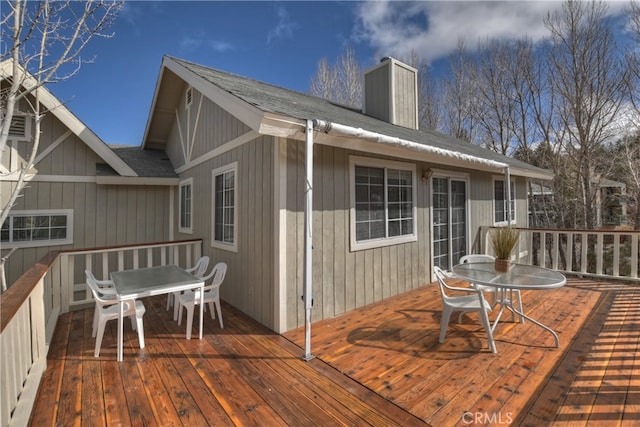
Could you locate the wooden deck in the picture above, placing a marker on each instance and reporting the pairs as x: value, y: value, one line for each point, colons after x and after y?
x: 381, y: 365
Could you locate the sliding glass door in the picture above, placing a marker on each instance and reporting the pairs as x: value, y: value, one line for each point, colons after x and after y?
x: 449, y: 221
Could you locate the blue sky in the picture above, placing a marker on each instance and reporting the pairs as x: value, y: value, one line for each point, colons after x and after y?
x: 276, y: 42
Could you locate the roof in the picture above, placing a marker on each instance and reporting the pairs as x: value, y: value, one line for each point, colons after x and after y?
x: 263, y: 97
x: 146, y: 162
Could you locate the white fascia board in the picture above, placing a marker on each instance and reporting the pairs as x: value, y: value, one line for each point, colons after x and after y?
x: 72, y: 122
x: 534, y: 174
x: 139, y: 180
x: 153, y: 105
x: 243, y: 111
x: 282, y: 126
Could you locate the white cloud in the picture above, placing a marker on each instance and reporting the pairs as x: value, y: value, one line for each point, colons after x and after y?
x: 193, y: 43
x: 284, y: 28
x: 433, y: 28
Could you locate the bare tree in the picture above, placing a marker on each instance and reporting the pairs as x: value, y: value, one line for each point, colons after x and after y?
x: 428, y: 98
x: 341, y: 83
x: 460, y: 96
x: 588, y: 82
x: 44, y: 45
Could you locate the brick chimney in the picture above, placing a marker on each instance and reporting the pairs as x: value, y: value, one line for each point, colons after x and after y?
x: 391, y: 93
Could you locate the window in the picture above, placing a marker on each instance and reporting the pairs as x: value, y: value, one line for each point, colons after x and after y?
x: 224, y: 208
x: 500, y: 202
x: 186, y: 205
x: 383, y: 207
x: 37, y: 228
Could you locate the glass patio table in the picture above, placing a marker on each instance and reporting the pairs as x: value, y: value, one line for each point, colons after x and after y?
x: 145, y: 282
x: 519, y: 277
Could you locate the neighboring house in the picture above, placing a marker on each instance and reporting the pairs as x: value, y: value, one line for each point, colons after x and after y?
x: 611, y: 204
x: 80, y: 193
x: 389, y: 200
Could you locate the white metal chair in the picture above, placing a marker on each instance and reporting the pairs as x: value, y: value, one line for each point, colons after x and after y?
x: 198, y: 271
x: 107, y: 308
x: 473, y: 302
x: 190, y: 299
x: 511, y: 292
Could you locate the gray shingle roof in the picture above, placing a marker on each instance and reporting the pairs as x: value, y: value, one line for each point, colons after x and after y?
x: 145, y: 162
x: 274, y: 99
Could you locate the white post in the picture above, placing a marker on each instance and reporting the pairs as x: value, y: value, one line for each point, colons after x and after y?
x: 308, y: 243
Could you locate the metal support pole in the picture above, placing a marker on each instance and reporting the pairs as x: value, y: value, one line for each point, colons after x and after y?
x: 308, y: 241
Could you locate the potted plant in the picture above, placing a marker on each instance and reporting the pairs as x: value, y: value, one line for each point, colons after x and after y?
x: 504, y: 240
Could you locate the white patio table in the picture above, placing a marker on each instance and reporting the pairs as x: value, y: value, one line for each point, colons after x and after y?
x: 519, y: 277
x: 145, y: 282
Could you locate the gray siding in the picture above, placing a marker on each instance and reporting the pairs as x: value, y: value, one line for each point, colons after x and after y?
x: 344, y: 280
x: 405, y: 113
x: 204, y: 125
x: 249, y: 284
x: 377, y: 93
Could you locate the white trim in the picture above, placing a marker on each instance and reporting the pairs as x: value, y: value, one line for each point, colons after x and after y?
x: 231, y: 167
x: 184, y: 183
x: 40, y: 243
x: 493, y: 201
x: 13, y: 177
x: 450, y: 176
x: 192, y: 143
x: 52, y: 147
x: 136, y: 180
x: 183, y: 147
x: 386, y: 241
x: 280, y: 233
x: 226, y: 147
x: 100, y: 180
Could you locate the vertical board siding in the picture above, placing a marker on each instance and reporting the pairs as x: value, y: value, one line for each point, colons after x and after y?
x: 343, y: 280
x: 249, y: 283
x: 104, y: 215
x: 405, y: 97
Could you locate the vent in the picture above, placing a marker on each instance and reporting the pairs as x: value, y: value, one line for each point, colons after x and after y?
x: 189, y: 97
x: 18, y: 126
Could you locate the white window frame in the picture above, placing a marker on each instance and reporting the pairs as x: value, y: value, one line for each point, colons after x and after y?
x: 183, y: 184
x: 495, y: 202
x: 384, y: 241
x: 39, y: 243
x: 232, y: 247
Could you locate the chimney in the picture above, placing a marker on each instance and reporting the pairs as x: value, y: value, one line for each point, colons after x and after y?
x: 391, y: 93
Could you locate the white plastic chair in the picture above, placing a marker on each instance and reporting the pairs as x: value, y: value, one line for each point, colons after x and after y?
x: 489, y: 258
x: 107, y: 308
x: 198, y: 271
x: 473, y: 302
x: 190, y: 299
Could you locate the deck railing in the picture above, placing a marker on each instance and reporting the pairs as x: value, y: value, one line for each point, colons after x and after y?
x: 29, y: 310
x: 594, y: 253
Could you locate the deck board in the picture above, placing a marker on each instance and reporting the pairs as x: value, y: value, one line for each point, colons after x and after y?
x: 379, y: 365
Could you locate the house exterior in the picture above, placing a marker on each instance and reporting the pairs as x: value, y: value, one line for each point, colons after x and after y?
x: 223, y: 160
x: 389, y: 201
